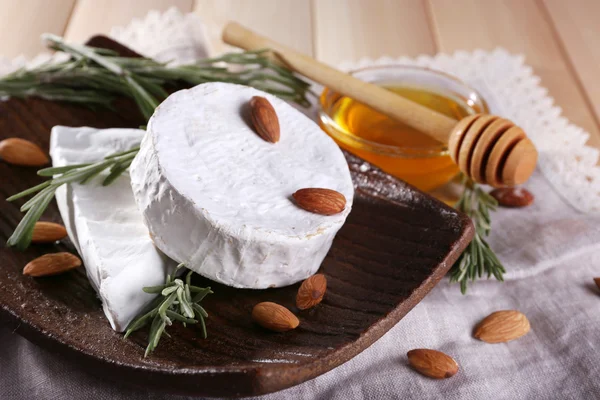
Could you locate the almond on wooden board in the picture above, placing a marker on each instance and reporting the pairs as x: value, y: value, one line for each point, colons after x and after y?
x: 48, y: 232
x: 513, y: 197
x: 22, y: 152
x: 320, y: 201
x: 274, y: 317
x: 502, y: 326
x: 265, y: 119
x: 432, y: 363
x: 311, y: 291
x: 52, y: 264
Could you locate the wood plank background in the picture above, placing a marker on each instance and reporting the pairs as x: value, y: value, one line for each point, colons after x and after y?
x: 558, y: 37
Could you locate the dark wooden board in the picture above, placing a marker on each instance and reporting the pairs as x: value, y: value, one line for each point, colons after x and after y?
x: 395, y: 246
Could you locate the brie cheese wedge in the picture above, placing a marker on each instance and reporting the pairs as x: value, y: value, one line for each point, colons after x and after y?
x: 218, y: 198
x: 105, y: 225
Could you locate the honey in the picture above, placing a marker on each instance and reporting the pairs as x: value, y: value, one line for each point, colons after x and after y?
x: 391, y: 145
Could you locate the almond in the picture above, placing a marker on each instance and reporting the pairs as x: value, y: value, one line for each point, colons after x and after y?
x: 597, y: 280
x: 274, y: 317
x: 264, y: 119
x: 22, y: 152
x: 502, y: 326
x: 48, y: 232
x: 512, y: 197
x: 52, y: 264
x: 320, y: 201
x: 432, y: 363
x: 311, y: 291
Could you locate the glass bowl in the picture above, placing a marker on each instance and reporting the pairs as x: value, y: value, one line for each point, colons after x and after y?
x: 395, y: 148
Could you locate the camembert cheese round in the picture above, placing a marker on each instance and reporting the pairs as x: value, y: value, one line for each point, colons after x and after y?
x: 218, y: 197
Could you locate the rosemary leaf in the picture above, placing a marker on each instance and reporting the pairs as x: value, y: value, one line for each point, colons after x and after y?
x: 164, y: 310
x: 154, y: 289
x: 51, y: 171
x: 196, y: 289
x: 158, y: 333
x: 201, y: 295
x: 203, y: 326
x: 478, y: 259
x: 140, y: 322
x: 168, y: 290
x: 178, y: 317
x: 154, y: 88
x: 123, y: 153
x: 200, y: 310
x: 91, y: 175
x: 21, y: 237
x: 116, y: 170
x: 36, y: 199
x: 188, y: 278
x: 186, y: 308
x: 29, y: 191
x: 144, y: 100
x: 156, y: 329
x: 79, y: 174
x: 474, y: 253
x: 187, y: 294
x: 81, y: 51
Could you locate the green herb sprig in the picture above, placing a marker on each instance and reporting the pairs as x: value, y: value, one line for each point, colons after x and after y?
x: 478, y: 259
x: 44, y: 192
x: 95, y: 77
x: 178, y: 301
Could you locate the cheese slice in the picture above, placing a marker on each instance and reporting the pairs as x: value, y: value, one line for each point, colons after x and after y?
x: 218, y: 198
x: 105, y: 225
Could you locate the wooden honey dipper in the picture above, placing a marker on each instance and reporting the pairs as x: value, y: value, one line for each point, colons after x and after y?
x: 487, y: 148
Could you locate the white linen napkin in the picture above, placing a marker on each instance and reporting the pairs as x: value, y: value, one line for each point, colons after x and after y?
x: 550, y: 251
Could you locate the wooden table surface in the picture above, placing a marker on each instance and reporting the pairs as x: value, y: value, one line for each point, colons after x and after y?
x: 556, y: 36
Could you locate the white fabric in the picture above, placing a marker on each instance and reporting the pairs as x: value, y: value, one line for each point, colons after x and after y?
x: 550, y: 250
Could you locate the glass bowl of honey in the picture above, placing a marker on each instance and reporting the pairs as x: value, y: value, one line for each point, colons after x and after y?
x: 389, y: 144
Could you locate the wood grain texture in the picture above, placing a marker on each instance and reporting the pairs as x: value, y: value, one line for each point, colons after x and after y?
x: 23, y: 21
x: 289, y: 21
x: 93, y: 17
x: 577, y: 27
x: 395, y: 246
x: 520, y: 27
x: 351, y: 29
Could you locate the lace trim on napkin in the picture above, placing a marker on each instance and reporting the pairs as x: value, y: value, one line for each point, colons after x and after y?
x: 169, y: 36
x: 505, y: 81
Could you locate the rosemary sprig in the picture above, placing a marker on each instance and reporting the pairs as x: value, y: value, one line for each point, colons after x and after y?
x: 478, y: 258
x: 44, y: 192
x: 95, y: 77
x: 175, y: 303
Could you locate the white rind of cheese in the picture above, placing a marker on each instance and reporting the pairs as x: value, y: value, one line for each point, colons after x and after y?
x: 105, y: 225
x: 218, y: 198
